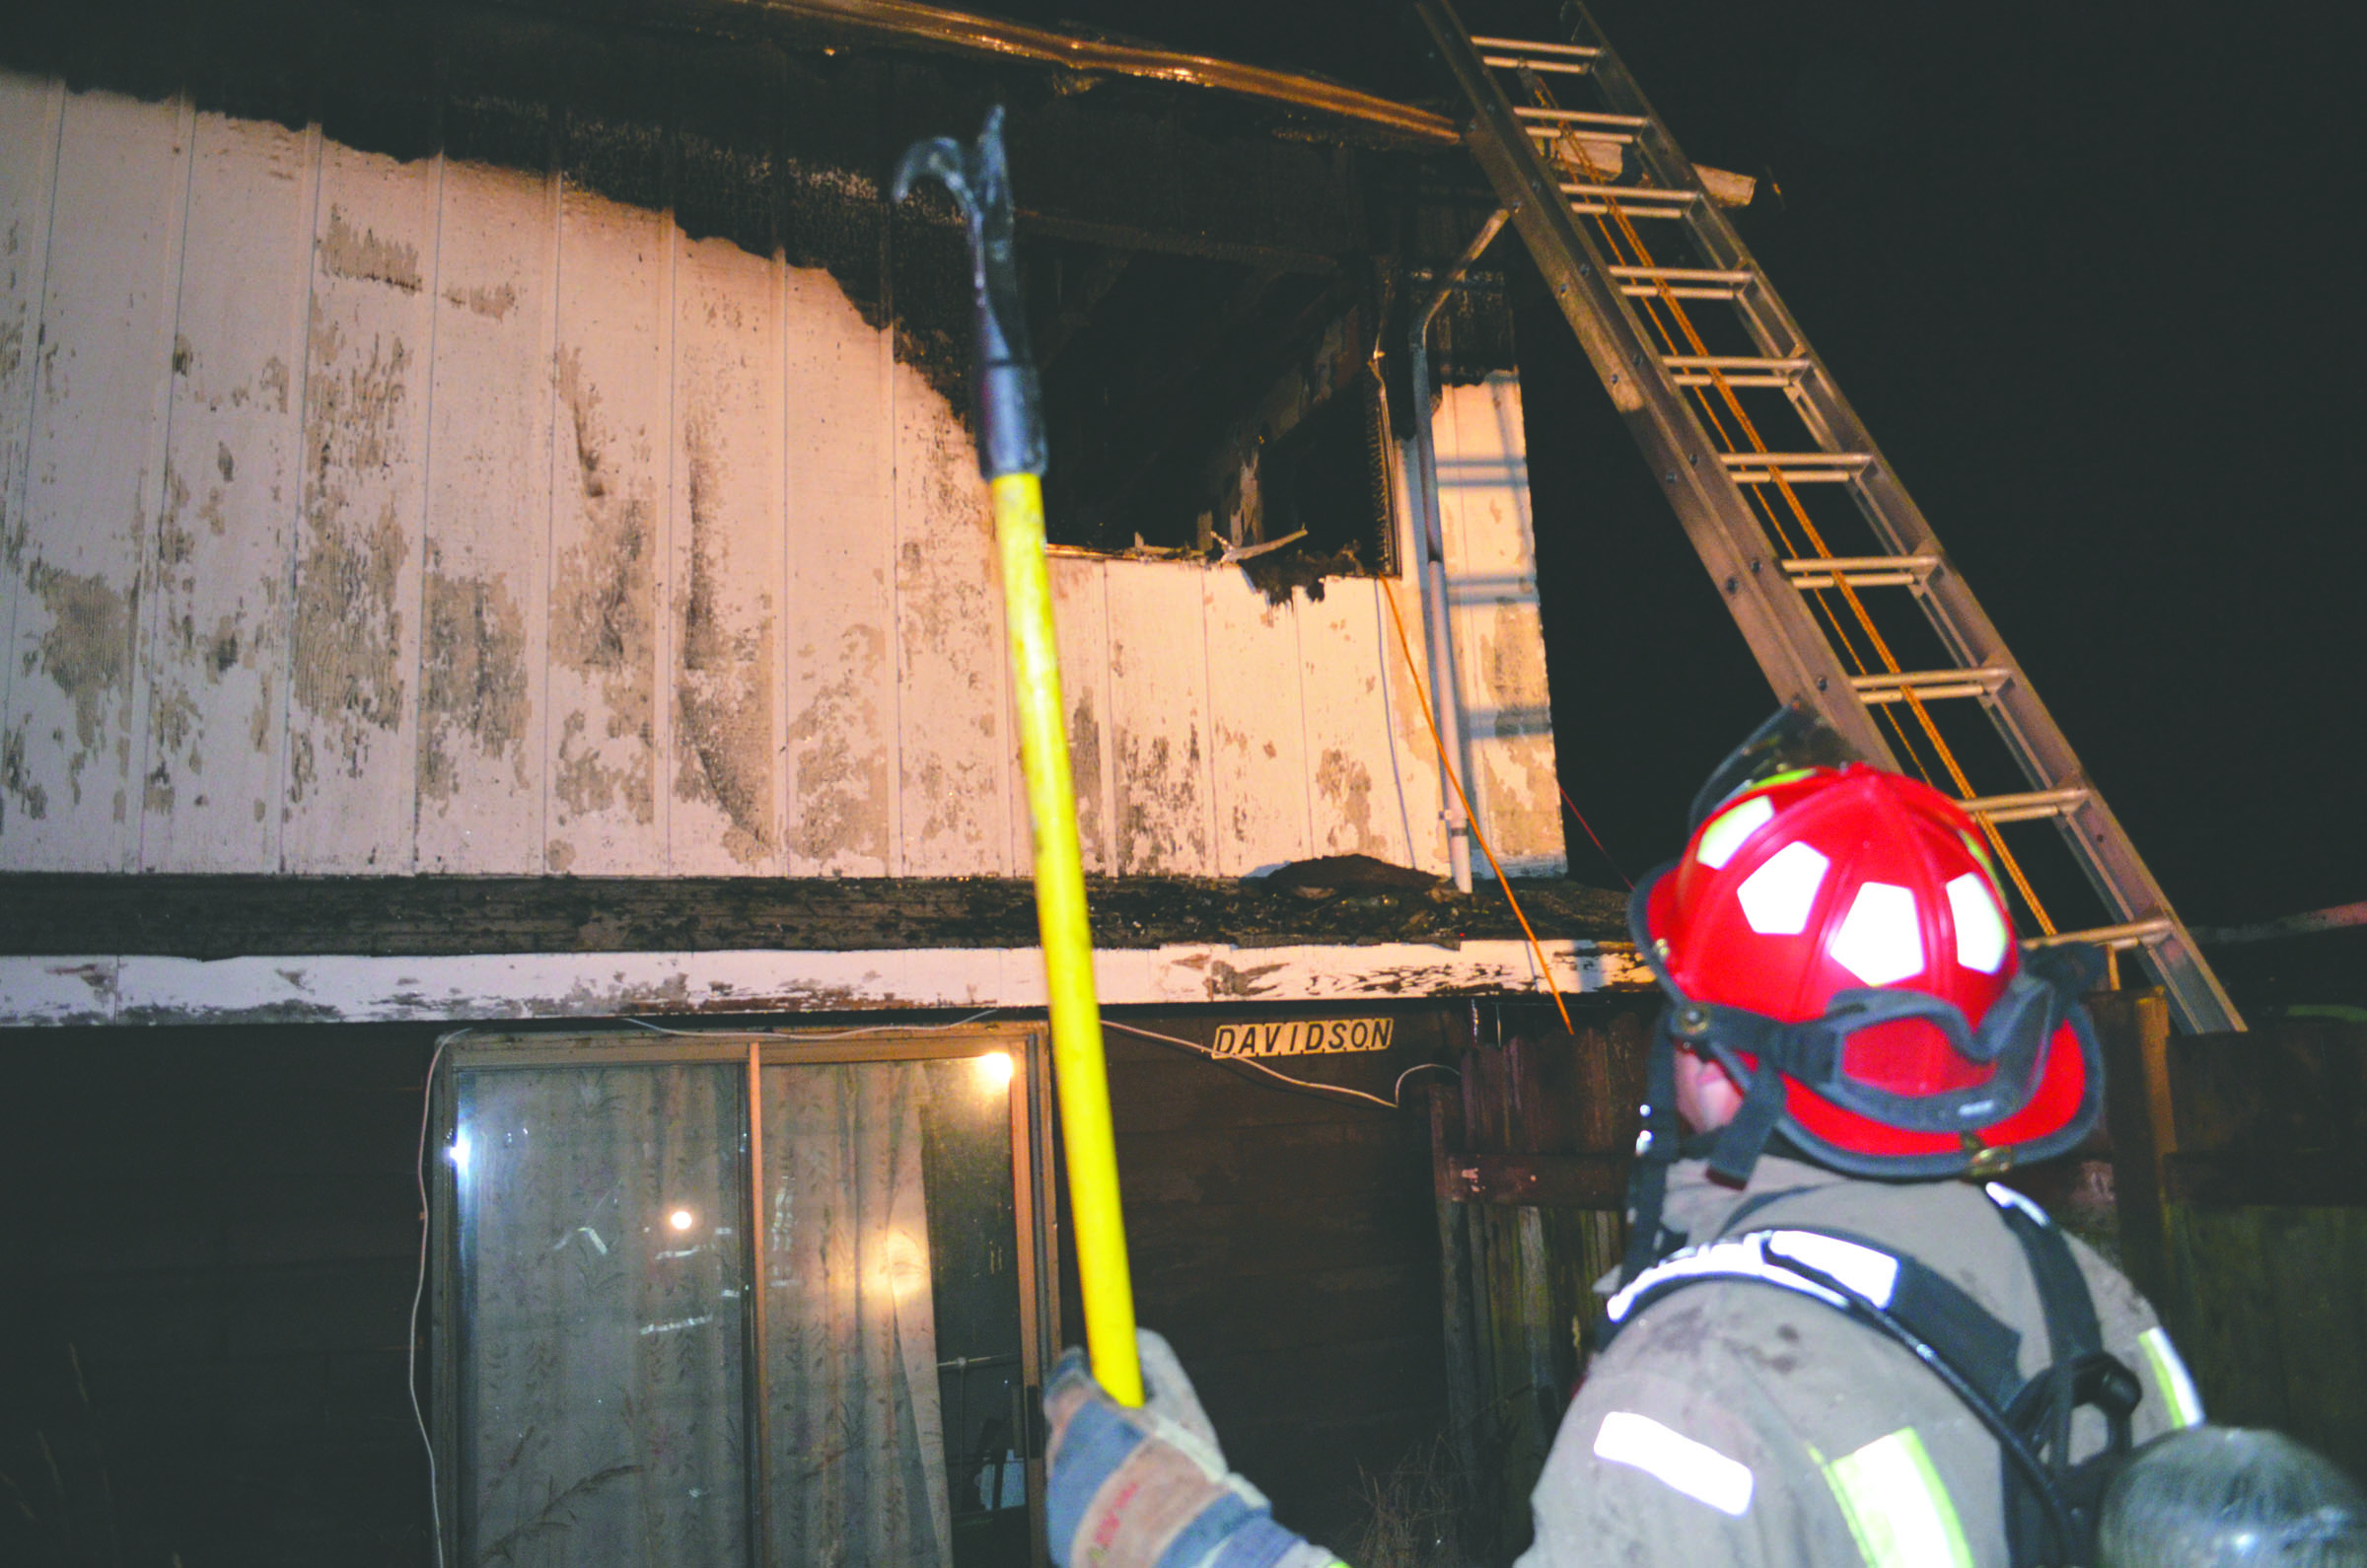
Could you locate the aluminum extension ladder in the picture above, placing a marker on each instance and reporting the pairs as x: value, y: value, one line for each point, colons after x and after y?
x: 1626, y: 169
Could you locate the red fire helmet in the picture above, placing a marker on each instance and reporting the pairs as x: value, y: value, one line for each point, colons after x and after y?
x: 1845, y: 926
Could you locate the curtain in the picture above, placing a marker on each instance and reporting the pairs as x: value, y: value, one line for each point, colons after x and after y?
x: 856, y: 1430
x: 601, y: 1297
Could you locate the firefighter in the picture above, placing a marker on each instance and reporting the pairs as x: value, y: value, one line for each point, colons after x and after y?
x: 1836, y: 1340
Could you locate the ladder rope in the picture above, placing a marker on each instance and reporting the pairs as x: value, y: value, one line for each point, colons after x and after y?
x: 1639, y: 253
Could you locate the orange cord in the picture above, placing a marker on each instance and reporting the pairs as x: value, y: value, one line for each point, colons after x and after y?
x: 1535, y: 946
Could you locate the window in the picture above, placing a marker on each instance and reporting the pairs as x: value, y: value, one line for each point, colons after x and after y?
x: 720, y: 1299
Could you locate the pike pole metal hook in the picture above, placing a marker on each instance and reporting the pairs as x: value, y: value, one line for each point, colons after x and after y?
x: 1011, y: 454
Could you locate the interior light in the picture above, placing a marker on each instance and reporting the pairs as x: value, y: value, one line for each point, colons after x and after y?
x: 994, y: 1069
x: 457, y: 1152
x: 682, y: 1219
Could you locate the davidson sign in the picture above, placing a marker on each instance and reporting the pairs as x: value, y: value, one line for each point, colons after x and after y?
x: 1304, y: 1036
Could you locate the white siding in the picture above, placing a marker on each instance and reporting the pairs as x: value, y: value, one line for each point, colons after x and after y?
x: 368, y: 516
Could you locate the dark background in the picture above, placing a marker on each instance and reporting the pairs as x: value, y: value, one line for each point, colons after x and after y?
x: 2080, y: 268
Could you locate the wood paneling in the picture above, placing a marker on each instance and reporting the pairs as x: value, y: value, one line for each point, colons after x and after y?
x: 841, y: 609
x: 612, y: 491
x: 353, y: 650
x: 30, y: 115
x: 484, y: 666
x: 730, y: 564
x: 1499, y: 640
x: 102, y: 357
x: 379, y: 517
x: 217, y: 651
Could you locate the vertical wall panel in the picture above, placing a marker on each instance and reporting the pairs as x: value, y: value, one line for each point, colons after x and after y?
x: 840, y: 681
x: 29, y: 110
x: 217, y: 659
x: 724, y: 679
x: 483, y: 671
x: 610, y: 492
x: 96, y: 456
x: 1499, y: 637
x: 949, y: 594
x: 1367, y: 798
x: 1081, y: 625
x: 1159, y: 721
x: 354, y: 648
x: 1258, y: 742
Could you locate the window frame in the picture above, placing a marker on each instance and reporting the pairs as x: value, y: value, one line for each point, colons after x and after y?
x: 1034, y: 1207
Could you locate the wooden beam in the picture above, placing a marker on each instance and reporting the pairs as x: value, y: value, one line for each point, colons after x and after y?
x: 1561, y: 1181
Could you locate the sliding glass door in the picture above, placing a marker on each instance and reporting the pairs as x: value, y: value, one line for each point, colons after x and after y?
x: 740, y: 1300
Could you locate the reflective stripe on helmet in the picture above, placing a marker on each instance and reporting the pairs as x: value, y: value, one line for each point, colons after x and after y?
x: 1722, y: 838
x: 2170, y: 1374
x: 1896, y: 1505
x: 1981, y: 937
x: 1779, y: 895
x: 1668, y: 1456
x: 1879, y: 940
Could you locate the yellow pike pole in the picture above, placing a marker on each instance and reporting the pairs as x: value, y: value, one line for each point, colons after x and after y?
x: 1011, y: 452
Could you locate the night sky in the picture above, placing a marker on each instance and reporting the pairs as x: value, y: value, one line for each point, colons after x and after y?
x: 2080, y: 269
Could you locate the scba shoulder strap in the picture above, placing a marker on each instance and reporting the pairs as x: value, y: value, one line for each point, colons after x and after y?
x: 2050, y: 1502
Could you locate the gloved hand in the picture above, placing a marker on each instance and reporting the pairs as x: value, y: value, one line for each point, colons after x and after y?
x: 1148, y: 1488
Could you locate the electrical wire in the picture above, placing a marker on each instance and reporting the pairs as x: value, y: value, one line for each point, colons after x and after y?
x: 1397, y: 1091
x: 795, y: 1034
x: 1590, y: 834
x: 411, y: 1360
x: 1502, y: 881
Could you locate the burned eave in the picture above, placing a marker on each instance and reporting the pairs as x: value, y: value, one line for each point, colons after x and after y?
x: 210, y: 917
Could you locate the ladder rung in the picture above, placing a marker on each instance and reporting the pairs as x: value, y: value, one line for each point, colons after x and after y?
x: 2134, y: 934
x: 1684, y: 283
x: 1861, y: 571
x: 1568, y: 51
x: 1633, y: 196
x: 1550, y: 134
x: 1582, y: 116
x: 1737, y: 370
x: 1796, y: 467
x: 2028, y: 805
x: 1930, y: 684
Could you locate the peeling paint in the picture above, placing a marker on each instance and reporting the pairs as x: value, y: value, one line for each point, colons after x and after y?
x: 601, y: 616
x: 724, y: 703
x: 1160, y: 822
x: 493, y: 303
x: 472, y: 681
x: 348, y: 626
x: 1085, y: 771
x: 31, y: 798
x: 86, y: 652
x: 840, y: 765
x: 367, y: 259
x: 1347, y: 784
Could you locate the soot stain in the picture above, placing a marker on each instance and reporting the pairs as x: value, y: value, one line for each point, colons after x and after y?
x: 473, y: 687
x: 724, y: 702
x: 603, y: 624
x: 1159, y: 826
x: 86, y: 652
x: 348, y: 666
x: 1349, y: 785
x: 367, y: 259
x: 842, y: 768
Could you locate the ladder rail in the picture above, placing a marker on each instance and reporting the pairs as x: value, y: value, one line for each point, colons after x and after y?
x: 1774, y: 619
x: 1598, y: 302
x: 2103, y: 850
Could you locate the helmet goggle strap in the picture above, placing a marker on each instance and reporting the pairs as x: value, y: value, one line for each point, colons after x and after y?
x: 1792, y: 739
x: 2012, y: 1038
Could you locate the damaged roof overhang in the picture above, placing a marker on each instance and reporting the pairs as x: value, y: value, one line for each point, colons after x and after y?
x: 899, y: 22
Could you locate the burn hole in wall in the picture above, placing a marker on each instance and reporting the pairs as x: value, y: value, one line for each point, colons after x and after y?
x: 1327, y: 478
x: 1165, y: 374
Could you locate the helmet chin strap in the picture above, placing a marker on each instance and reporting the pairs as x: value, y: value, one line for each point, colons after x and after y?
x: 1738, y: 1143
